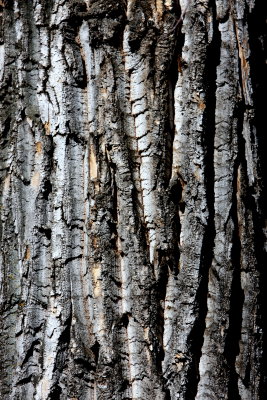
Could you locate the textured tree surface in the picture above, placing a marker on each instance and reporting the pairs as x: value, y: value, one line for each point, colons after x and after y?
x: 132, y: 152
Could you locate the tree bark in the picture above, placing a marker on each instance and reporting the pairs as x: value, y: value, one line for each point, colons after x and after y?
x: 132, y: 199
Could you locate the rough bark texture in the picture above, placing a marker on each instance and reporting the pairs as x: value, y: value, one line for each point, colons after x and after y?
x: 132, y: 199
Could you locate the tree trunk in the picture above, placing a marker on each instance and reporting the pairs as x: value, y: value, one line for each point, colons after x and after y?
x: 132, y: 199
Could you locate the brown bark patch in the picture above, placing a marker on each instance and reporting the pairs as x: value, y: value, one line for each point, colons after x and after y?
x: 35, y: 179
x: 47, y: 128
x: 38, y: 147
x: 27, y: 253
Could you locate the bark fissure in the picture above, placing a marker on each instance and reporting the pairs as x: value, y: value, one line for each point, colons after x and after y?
x: 210, y: 75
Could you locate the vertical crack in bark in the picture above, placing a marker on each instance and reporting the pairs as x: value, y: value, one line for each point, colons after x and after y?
x: 258, y: 47
x: 168, y: 261
x: 233, y: 335
x: 172, y: 72
x: 212, y: 367
x: 61, y: 358
x: 196, y: 338
x: 250, y: 203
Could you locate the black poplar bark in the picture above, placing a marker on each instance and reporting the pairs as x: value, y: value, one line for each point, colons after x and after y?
x: 132, y: 199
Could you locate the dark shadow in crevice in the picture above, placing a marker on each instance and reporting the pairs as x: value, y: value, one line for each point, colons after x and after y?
x: 46, y: 189
x: 61, y: 358
x: 196, y: 337
x: 168, y: 260
x: 257, y: 29
x: 45, y: 231
x: 173, y: 74
x: 95, y: 349
x: 164, y: 262
x: 233, y: 335
x: 85, y: 364
x: 30, y: 351
x: 55, y: 392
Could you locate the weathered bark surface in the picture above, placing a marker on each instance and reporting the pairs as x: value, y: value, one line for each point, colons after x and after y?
x: 132, y: 199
